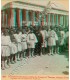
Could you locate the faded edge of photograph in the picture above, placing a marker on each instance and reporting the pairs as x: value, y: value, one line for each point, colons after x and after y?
x: 34, y: 39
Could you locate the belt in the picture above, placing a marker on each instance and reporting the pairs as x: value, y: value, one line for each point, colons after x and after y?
x: 31, y: 39
x: 6, y: 45
x: 23, y: 41
x: 51, y: 36
x: 18, y: 42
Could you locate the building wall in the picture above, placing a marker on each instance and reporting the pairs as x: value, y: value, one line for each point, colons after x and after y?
x: 13, y: 17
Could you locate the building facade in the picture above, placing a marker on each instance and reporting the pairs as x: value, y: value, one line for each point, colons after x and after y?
x: 14, y: 14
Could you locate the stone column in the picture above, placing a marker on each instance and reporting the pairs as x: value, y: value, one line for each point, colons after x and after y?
x: 67, y: 20
x: 42, y: 22
x: 53, y: 19
x: 4, y: 19
x: 59, y: 19
x: 64, y: 20
x: 13, y: 18
x: 9, y: 18
x: 44, y: 19
x: 27, y: 15
x: 56, y: 19
x: 33, y: 21
x: 49, y: 19
x: 20, y: 18
x: 1, y: 18
x: 39, y: 19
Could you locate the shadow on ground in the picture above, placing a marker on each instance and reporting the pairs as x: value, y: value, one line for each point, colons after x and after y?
x: 66, y: 54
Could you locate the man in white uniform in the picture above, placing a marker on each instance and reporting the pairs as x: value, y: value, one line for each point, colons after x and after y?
x: 67, y: 39
x: 51, y: 40
x: 57, y: 39
x: 31, y: 40
x: 62, y: 39
x: 44, y: 36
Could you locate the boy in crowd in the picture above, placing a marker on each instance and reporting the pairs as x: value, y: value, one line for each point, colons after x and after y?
x: 18, y: 37
x: 24, y: 43
x: 51, y: 40
x: 31, y: 41
x: 44, y: 36
x: 5, y: 49
x: 13, y: 46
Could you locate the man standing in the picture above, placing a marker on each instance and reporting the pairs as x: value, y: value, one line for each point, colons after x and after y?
x: 5, y: 49
x: 13, y: 46
x: 51, y: 40
x: 24, y: 43
x: 62, y: 39
x: 31, y: 41
x: 44, y: 36
x: 39, y: 43
x: 18, y: 37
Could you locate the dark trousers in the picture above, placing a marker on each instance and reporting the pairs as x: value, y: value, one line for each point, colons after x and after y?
x: 61, y: 48
x: 38, y: 48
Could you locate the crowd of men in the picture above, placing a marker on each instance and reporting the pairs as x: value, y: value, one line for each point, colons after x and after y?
x: 17, y: 43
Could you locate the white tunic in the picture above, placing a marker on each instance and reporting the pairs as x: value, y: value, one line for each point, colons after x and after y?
x: 13, y: 48
x: 52, y: 37
x: 62, y: 35
x: 18, y: 38
x: 24, y: 41
x: 45, y: 36
x: 5, y: 46
x: 31, y: 40
x: 67, y: 34
x: 67, y: 37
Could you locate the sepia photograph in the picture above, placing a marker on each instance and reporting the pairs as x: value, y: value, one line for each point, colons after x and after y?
x: 34, y: 39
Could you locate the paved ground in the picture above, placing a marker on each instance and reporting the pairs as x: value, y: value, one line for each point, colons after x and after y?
x: 43, y: 65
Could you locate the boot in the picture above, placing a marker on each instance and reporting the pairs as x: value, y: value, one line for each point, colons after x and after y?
x: 52, y: 51
x: 21, y: 56
x: 12, y: 62
x: 18, y: 59
x: 3, y: 65
x: 24, y: 54
x: 14, y: 58
x: 8, y: 61
x: 58, y: 50
x: 6, y: 66
x: 30, y: 53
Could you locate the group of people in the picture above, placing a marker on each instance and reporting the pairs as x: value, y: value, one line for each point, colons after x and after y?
x: 17, y: 44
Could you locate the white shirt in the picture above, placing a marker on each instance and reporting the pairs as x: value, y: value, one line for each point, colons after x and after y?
x: 5, y: 40
x: 44, y: 34
x: 24, y: 37
x: 18, y: 37
x: 31, y: 38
